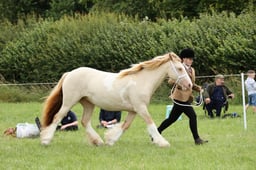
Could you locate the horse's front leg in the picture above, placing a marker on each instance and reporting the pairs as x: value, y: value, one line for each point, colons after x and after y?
x: 113, y: 134
x: 157, y: 138
x: 92, y: 135
x: 47, y: 133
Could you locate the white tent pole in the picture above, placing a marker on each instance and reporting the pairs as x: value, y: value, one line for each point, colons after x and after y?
x: 243, y: 95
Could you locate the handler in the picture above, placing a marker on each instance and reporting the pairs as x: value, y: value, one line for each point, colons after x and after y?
x: 183, y: 99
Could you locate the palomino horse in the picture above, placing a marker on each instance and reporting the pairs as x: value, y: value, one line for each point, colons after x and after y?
x: 129, y: 90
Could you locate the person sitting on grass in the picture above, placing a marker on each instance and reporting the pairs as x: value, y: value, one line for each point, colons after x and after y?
x: 109, y: 118
x: 69, y: 122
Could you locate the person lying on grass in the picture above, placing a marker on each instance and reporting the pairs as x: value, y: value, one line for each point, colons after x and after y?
x: 29, y: 130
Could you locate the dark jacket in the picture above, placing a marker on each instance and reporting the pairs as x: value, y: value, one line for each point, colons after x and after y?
x: 71, y: 117
x: 109, y: 115
x: 210, y: 88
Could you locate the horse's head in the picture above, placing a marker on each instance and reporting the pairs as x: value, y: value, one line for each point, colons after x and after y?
x: 177, y: 73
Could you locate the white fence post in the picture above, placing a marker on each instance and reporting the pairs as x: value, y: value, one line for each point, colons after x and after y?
x: 243, y: 95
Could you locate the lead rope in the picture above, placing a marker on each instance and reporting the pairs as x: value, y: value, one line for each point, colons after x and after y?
x: 178, y: 79
x: 197, y: 104
x: 179, y: 76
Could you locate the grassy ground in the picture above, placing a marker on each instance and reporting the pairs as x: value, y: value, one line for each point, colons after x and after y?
x: 229, y: 147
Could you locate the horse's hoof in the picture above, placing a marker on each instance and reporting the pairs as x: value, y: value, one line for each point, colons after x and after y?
x: 45, y: 142
x: 110, y: 143
x: 98, y: 143
x: 164, y: 145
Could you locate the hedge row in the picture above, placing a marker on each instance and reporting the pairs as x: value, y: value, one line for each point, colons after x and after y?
x: 224, y: 43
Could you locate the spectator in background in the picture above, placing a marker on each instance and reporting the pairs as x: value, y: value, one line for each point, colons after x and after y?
x: 69, y: 122
x: 23, y: 130
x: 109, y: 118
x: 29, y: 130
x: 250, y: 86
x: 215, y: 96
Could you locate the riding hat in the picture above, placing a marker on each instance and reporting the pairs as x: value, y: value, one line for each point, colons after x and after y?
x: 187, y: 53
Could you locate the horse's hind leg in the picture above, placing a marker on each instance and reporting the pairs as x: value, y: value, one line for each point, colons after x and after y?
x: 113, y: 134
x: 47, y: 134
x: 92, y: 135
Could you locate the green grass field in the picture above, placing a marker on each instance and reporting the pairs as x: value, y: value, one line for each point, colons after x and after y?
x: 230, y: 146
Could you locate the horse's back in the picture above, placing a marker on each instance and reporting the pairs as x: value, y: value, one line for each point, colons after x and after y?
x: 85, y: 78
x: 85, y: 72
x: 96, y: 86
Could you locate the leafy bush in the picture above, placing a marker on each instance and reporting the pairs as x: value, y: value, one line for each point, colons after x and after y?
x: 29, y: 93
x: 224, y: 43
x: 9, y: 32
x: 108, y: 43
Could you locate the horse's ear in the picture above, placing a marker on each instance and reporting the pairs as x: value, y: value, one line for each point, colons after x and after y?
x: 173, y: 56
x: 170, y: 56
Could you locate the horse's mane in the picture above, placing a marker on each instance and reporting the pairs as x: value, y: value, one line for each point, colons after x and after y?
x: 150, y: 64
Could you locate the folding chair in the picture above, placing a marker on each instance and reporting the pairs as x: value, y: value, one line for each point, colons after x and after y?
x: 224, y: 108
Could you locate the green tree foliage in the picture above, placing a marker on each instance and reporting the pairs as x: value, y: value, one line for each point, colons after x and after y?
x: 224, y: 43
x: 235, y: 6
x: 59, y: 8
x: 157, y: 9
x: 107, y: 42
x: 13, y: 10
x: 11, y: 32
x: 141, y: 9
x: 169, y: 9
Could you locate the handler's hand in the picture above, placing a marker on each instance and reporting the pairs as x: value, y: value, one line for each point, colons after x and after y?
x: 207, y: 100
x: 231, y: 96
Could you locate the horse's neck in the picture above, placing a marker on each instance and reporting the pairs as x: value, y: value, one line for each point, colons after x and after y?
x: 154, y: 78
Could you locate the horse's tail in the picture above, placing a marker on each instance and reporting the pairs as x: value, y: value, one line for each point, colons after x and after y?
x: 53, y: 103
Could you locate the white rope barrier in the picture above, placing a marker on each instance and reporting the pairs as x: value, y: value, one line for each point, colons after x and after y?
x: 26, y: 84
x: 197, y: 77
x: 225, y: 75
x: 54, y: 83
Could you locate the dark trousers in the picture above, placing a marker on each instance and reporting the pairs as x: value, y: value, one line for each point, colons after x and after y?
x: 70, y: 128
x: 214, y: 104
x: 177, y: 110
